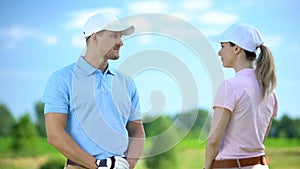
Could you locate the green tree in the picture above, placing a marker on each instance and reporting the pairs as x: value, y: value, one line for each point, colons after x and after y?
x: 7, y: 121
x: 287, y: 127
x: 24, y: 137
x: 40, y: 123
x: 166, y: 159
x: 197, y: 123
x: 274, y: 131
x: 297, y: 124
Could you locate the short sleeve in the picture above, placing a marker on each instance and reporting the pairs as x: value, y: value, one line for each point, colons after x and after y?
x: 135, y: 112
x: 56, y: 97
x: 225, y: 96
x: 275, y: 106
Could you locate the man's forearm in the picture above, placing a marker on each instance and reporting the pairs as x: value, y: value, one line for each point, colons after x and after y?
x: 136, y: 143
x: 64, y: 143
x: 135, y: 151
x: 71, y: 150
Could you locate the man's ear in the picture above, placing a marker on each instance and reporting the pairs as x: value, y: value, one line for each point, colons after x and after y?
x: 93, y: 37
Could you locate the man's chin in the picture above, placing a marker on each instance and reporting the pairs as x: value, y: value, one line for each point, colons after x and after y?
x: 115, y: 58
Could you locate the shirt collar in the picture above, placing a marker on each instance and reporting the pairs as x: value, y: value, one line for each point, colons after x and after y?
x: 87, y: 69
x: 246, y: 71
x: 111, y: 70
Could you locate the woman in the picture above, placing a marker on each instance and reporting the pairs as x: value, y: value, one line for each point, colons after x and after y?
x: 245, y: 104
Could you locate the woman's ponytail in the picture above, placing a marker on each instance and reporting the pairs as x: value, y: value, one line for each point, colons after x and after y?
x: 265, y: 71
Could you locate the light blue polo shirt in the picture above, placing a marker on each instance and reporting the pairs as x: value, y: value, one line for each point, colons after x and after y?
x: 98, y: 106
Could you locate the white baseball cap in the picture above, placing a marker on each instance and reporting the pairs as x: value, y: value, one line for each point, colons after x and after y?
x: 244, y: 35
x: 105, y: 21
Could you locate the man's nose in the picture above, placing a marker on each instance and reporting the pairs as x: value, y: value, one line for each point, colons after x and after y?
x: 120, y: 42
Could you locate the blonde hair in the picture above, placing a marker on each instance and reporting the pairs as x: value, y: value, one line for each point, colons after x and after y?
x: 265, y: 71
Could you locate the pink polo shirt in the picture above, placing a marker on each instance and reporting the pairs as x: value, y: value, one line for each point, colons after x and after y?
x: 250, y: 115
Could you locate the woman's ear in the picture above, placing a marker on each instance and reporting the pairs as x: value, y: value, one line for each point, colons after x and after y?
x: 237, y: 49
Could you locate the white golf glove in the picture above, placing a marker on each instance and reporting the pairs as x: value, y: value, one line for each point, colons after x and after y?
x: 114, y: 162
x: 121, y: 163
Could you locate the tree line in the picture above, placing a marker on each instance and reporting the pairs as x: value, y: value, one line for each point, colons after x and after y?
x: 24, y: 131
x: 285, y: 126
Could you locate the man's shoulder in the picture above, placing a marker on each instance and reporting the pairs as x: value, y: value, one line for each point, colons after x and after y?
x: 65, y: 70
x: 63, y: 74
x: 68, y: 68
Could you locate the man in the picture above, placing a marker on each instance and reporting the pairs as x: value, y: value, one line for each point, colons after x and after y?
x: 91, y: 110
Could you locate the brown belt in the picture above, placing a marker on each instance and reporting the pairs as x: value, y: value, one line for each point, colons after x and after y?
x: 234, y: 163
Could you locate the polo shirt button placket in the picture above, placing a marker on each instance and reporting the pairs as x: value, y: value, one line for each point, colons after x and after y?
x: 105, y: 83
x: 99, y: 78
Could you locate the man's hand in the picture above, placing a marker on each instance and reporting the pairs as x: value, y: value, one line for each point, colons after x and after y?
x: 115, y: 162
x: 121, y: 163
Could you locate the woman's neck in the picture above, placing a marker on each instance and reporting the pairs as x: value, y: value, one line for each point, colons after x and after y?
x: 243, y: 64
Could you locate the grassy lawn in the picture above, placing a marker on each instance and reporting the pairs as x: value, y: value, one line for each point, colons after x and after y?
x: 27, y: 160
x: 283, y: 154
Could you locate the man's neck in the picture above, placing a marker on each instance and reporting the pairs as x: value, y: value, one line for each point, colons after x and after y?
x: 97, y: 62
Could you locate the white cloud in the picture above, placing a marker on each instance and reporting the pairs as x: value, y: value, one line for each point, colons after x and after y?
x: 218, y: 18
x: 196, y: 4
x: 16, y: 34
x: 181, y: 15
x: 11, y: 37
x: 79, y: 18
x: 51, y: 40
x: 148, y: 7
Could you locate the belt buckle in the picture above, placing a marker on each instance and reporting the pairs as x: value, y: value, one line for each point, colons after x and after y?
x: 265, y: 160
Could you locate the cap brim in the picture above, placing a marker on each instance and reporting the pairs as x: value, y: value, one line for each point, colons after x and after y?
x: 126, y: 30
x: 218, y: 38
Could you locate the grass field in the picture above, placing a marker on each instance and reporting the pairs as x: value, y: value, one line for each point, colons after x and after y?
x: 283, y: 153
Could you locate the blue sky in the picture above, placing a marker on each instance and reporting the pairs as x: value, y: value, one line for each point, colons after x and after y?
x: 39, y: 37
